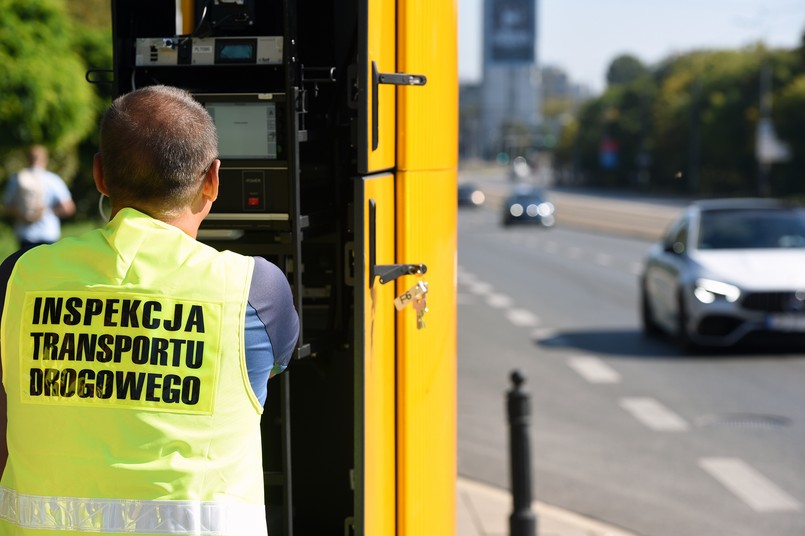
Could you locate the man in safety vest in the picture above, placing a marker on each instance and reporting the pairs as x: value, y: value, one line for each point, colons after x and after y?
x: 135, y: 359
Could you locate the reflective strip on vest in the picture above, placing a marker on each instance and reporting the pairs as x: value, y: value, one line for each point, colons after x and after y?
x: 132, y: 516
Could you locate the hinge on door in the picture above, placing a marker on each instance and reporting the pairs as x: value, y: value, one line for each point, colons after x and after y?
x: 397, y: 79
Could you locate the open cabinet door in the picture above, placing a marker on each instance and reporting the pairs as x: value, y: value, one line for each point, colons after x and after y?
x: 377, y: 107
x: 375, y: 367
x: 375, y: 418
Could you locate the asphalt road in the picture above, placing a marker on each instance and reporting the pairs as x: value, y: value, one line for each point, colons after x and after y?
x: 627, y: 215
x: 625, y: 429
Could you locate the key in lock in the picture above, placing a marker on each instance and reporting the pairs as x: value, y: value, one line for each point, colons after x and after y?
x: 421, y: 307
x: 406, y: 298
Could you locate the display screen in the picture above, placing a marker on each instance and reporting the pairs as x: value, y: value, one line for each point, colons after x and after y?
x: 235, y: 51
x: 246, y: 130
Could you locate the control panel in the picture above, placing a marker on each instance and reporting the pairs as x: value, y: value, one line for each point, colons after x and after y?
x: 255, y: 187
x: 265, y: 50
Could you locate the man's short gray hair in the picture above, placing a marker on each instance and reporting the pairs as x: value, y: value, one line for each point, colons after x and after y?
x: 156, y: 143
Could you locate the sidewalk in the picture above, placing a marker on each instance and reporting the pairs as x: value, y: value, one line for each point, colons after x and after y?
x: 483, y: 510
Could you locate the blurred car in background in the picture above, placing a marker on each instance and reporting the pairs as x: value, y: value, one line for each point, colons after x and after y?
x: 469, y: 195
x: 528, y: 204
x: 520, y: 169
x: 727, y: 270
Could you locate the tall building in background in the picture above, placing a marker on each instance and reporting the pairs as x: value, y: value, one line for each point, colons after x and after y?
x: 510, y: 100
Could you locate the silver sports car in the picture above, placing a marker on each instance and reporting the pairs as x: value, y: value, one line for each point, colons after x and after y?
x: 726, y: 270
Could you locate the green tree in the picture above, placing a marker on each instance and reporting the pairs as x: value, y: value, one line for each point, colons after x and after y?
x: 625, y: 69
x: 619, y: 118
x: 94, y: 45
x: 717, y: 131
x: 789, y: 118
x: 691, y: 123
x: 579, y: 145
x: 44, y: 97
x: 91, y: 13
x: 707, y: 115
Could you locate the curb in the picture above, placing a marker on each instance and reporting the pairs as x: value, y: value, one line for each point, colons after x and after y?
x: 488, y: 509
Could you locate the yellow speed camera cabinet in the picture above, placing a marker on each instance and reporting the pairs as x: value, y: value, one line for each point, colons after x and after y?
x: 338, y: 125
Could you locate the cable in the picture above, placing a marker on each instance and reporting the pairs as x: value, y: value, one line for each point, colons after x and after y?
x: 195, y: 33
x: 104, y: 216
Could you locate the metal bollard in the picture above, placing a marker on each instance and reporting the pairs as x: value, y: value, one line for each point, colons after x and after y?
x: 523, y: 520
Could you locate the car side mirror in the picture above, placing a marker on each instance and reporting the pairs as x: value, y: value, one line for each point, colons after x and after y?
x: 676, y: 248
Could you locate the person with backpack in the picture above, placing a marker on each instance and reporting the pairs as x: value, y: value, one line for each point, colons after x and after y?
x: 36, y: 200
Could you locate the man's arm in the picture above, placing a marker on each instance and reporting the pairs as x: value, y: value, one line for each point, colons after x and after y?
x: 271, y: 297
x: 9, y: 211
x: 272, y: 326
x: 64, y: 207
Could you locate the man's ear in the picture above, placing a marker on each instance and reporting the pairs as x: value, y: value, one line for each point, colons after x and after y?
x: 98, y: 174
x: 211, y: 181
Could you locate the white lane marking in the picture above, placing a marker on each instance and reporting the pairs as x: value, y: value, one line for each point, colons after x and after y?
x: 749, y: 485
x: 543, y: 333
x: 465, y: 278
x: 602, y: 259
x: 575, y: 252
x: 594, y: 370
x: 498, y: 301
x: 551, y: 247
x: 522, y: 317
x: 654, y: 415
x: 479, y: 287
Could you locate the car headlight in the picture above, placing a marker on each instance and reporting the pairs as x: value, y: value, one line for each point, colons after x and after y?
x: 545, y: 209
x: 477, y: 197
x: 516, y: 210
x: 707, y: 290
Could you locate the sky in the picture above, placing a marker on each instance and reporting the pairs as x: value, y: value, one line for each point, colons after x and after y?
x: 584, y: 36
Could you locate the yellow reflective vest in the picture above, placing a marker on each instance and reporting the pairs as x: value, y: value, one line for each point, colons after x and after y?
x: 129, y: 405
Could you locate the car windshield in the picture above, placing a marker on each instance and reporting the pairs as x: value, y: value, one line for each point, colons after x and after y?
x: 527, y: 196
x: 752, y: 229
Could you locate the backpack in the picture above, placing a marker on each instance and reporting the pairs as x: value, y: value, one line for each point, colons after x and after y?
x: 29, y: 199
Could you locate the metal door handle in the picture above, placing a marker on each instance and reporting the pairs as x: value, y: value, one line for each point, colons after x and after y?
x: 397, y: 79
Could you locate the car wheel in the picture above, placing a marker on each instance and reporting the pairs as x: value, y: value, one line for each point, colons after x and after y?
x: 683, y: 338
x: 650, y: 327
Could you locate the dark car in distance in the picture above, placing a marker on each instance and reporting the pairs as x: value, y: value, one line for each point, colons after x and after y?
x: 470, y: 195
x: 528, y: 204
